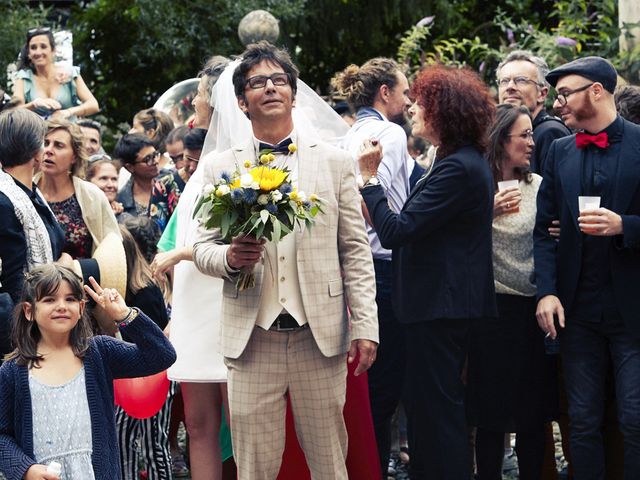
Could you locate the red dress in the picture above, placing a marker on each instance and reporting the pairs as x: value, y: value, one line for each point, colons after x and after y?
x: 362, y: 455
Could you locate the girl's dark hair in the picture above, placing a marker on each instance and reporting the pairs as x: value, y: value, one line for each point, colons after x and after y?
x: 23, y: 61
x: 506, y: 116
x: 457, y: 104
x: 146, y: 234
x: 42, y: 281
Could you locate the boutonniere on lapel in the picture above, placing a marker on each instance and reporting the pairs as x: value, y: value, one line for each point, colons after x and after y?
x: 258, y: 200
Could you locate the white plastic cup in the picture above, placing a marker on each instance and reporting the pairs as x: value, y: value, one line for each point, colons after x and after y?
x: 588, y: 203
x: 507, y: 184
x: 503, y: 185
x: 54, y: 468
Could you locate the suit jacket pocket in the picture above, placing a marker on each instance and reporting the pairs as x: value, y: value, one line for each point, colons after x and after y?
x: 229, y: 289
x: 335, y: 287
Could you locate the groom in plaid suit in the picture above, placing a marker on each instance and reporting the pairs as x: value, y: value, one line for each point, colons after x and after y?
x: 289, y: 334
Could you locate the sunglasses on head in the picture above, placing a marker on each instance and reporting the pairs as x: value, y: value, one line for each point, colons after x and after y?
x: 32, y: 32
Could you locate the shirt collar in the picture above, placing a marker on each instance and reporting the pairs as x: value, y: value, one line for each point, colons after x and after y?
x: 368, y: 112
x: 292, y: 135
x: 614, y: 130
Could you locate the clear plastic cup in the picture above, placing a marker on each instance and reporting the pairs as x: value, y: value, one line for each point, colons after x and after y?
x: 503, y: 185
x: 588, y: 203
x: 507, y: 184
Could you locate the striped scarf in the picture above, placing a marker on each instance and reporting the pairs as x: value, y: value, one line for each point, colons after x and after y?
x: 35, y: 233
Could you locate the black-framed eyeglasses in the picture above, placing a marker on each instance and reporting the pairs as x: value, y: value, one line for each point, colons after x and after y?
x: 279, y: 79
x: 32, y: 32
x: 561, y: 97
x: 150, y: 159
x: 519, y: 81
x: 526, y: 135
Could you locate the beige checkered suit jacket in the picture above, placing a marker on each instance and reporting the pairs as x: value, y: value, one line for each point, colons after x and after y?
x: 335, y: 266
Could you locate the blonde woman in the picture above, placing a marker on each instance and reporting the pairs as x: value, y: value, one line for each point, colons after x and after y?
x: 81, y: 207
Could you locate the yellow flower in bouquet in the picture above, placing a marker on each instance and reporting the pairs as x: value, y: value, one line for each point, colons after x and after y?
x: 268, y: 178
x: 260, y: 200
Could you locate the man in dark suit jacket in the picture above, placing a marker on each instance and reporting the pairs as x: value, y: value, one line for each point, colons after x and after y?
x: 591, y: 276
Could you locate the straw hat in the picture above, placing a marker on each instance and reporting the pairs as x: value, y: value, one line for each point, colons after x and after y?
x: 113, y: 263
x: 108, y: 266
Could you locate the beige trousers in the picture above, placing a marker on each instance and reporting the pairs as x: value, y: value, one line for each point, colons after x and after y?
x: 273, y: 364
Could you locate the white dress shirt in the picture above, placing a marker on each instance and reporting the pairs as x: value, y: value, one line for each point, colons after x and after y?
x: 393, y: 171
x: 280, y: 283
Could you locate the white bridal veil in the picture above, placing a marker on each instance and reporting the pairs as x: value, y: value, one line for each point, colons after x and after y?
x: 197, y: 297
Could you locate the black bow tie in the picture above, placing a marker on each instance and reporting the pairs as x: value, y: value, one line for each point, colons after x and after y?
x: 282, y: 147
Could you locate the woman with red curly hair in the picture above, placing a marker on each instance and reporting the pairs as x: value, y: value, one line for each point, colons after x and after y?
x: 441, y: 242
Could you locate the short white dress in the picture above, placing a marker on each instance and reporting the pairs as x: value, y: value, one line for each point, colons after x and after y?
x: 197, y: 305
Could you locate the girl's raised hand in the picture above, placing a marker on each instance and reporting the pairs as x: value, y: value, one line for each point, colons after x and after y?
x: 109, y: 299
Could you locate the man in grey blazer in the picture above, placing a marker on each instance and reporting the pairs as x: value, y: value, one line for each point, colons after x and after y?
x: 289, y: 334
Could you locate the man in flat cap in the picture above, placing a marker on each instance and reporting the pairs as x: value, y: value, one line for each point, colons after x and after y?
x: 588, y: 281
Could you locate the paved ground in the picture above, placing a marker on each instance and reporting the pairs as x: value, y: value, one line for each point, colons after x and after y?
x: 401, y: 472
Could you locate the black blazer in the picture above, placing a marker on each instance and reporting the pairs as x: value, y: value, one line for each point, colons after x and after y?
x: 441, y: 241
x: 557, y: 264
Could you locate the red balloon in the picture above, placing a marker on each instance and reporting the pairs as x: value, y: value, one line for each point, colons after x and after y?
x: 141, y: 397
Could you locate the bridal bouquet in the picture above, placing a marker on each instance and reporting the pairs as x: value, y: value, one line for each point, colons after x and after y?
x: 259, y: 200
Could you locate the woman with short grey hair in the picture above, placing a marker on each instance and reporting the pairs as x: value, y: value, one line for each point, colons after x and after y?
x: 30, y: 234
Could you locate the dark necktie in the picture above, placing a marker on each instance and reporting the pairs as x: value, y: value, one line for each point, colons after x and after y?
x: 282, y: 147
x: 600, y: 140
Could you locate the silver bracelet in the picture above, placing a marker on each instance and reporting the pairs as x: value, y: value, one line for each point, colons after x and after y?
x: 133, y: 313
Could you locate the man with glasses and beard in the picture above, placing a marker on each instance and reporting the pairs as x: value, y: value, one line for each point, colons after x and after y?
x: 378, y: 93
x: 520, y: 79
x: 587, y: 281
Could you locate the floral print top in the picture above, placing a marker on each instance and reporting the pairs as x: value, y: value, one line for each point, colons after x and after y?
x: 164, y: 197
x: 79, y: 242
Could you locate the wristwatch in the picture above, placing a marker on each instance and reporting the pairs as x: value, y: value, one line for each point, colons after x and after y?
x: 371, y: 182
